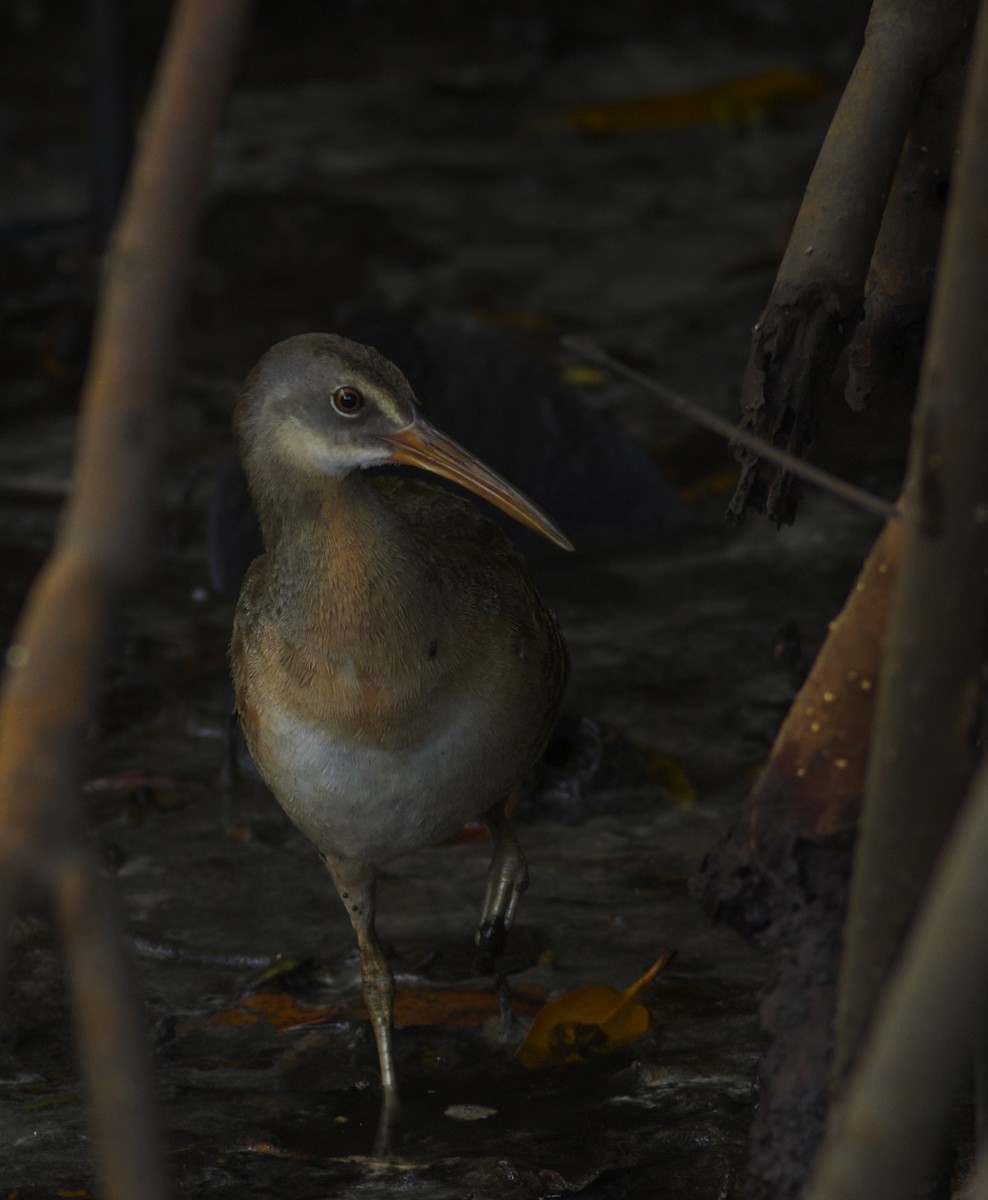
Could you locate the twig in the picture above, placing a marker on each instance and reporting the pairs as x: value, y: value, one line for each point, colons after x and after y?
x: 717, y: 424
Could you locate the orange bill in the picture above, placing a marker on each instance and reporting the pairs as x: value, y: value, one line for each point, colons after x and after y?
x: 422, y: 445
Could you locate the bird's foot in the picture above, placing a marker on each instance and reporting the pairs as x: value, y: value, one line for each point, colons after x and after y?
x: 490, y: 940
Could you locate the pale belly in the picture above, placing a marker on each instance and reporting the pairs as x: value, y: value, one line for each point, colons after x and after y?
x: 372, y: 804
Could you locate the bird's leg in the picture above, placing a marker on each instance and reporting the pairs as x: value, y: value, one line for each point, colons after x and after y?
x: 355, y: 883
x: 507, y: 878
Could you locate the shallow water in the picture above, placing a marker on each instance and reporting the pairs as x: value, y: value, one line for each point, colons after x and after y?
x: 401, y: 179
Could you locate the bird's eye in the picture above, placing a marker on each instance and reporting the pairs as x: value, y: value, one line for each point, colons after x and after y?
x: 348, y: 401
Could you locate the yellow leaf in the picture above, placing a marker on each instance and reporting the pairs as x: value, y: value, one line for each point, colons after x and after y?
x: 583, y: 376
x: 666, y: 771
x: 734, y: 102
x: 513, y: 318
x: 283, y: 966
x: 590, y: 1020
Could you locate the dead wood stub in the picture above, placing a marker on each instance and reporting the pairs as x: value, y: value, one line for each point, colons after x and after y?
x: 883, y: 357
x: 822, y: 277
x: 796, y: 346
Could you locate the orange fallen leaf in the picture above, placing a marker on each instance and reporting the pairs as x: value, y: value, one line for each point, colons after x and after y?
x: 423, y: 1006
x: 591, y: 1020
x: 448, y: 1007
x: 276, y: 1008
x: 733, y: 102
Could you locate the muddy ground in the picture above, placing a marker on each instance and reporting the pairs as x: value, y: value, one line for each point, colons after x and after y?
x: 393, y: 162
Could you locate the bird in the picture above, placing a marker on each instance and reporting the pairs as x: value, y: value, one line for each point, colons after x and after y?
x: 395, y: 671
x: 603, y: 485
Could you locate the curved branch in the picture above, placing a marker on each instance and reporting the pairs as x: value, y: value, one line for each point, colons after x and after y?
x: 104, y: 544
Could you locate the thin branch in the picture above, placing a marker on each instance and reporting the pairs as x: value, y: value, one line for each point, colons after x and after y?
x: 726, y: 429
x: 104, y: 544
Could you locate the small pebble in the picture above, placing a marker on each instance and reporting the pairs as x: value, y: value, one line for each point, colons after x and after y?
x: 469, y: 1112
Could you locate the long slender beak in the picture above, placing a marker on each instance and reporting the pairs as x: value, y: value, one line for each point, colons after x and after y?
x: 422, y: 445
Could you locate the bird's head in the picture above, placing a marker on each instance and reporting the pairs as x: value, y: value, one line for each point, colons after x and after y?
x: 319, y: 403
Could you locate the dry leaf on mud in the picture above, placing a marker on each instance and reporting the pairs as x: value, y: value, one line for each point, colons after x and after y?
x: 591, y: 1020
x: 423, y: 1006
